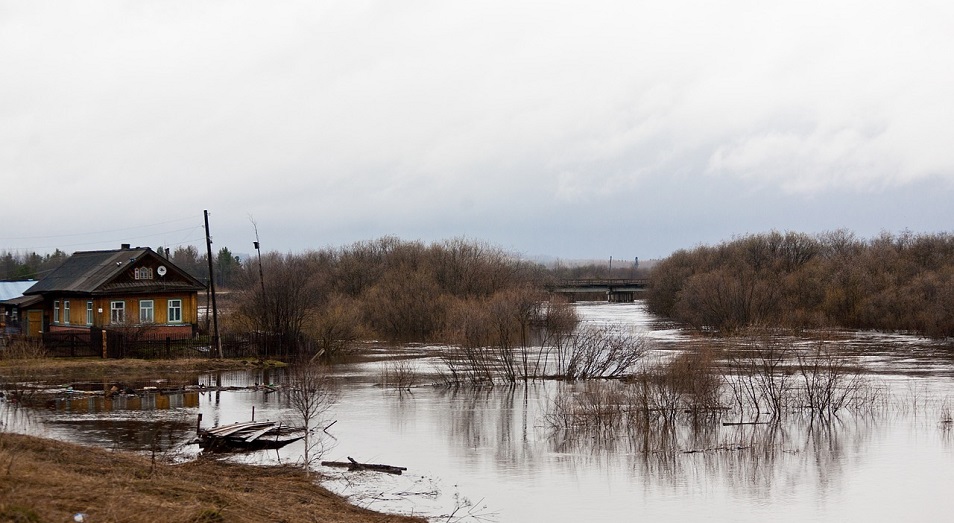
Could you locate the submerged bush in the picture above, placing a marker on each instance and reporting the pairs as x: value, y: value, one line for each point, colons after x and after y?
x: 599, y: 352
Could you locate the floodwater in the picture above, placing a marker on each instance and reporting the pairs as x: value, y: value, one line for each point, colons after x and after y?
x: 489, y: 454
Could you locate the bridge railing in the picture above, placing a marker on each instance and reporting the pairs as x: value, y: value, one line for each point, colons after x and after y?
x: 604, y: 282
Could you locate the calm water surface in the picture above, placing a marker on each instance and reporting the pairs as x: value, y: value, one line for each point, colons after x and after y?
x: 488, y: 455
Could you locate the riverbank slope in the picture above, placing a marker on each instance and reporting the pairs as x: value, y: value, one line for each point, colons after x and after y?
x: 45, y: 480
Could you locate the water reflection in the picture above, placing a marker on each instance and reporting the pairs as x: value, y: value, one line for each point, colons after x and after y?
x: 160, y: 434
x: 100, y: 403
x: 13, y: 418
x: 501, y: 419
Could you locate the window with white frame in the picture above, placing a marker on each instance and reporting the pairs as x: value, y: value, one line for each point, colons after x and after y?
x: 175, y: 311
x: 56, y: 311
x: 66, y: 312
x: 89, y: 313
x: 146, y: 312
x: 117, y: 312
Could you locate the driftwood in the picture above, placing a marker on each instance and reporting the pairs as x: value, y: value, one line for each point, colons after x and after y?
x: 733, y: 423
x: 353, y: 465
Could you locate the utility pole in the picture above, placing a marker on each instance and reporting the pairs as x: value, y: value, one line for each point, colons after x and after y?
x: 215, y: 312
x: 261, y: 278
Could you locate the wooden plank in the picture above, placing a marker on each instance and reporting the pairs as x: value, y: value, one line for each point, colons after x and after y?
x: 227, y: 430
x: 259, y: 433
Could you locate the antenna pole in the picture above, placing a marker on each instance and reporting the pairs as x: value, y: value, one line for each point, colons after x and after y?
x: 215, y: 313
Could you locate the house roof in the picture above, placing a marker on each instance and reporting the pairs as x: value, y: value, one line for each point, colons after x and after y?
x: 14, y: 289
x: 90, y: 272
x: 22, y: 301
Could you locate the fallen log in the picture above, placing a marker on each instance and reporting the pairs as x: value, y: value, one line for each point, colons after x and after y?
x: 353, y: 465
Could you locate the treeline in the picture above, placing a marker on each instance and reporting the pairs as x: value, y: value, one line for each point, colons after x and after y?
x: 901, y: 282
x: 455, y: 291
x: 226, y: 265
x: 32, y: 266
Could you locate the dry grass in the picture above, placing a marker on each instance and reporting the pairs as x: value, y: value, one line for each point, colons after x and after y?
x: 45, y: 480
x: 95, y: 367
x: 25, y: 349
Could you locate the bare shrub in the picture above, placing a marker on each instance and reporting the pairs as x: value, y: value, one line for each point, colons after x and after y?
x: 763, y: 375
x: 468, y: 365
x: 654, y: 396
x: 694, y: 376
x: 399, y: 374
x: 504, y: 337
x: 687, y: 383
x: 829, y: 382
x: 599, y: 352
x: 468, y: 360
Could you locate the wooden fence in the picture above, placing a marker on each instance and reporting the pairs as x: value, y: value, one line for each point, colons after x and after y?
x: 124, y: 344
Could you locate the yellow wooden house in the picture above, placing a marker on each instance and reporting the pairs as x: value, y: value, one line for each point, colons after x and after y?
x: 131, y: 287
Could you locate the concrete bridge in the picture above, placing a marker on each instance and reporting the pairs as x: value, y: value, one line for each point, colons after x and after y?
x: 615, y: 289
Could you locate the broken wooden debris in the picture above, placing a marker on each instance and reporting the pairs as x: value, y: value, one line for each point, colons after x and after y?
x: 353, y: 465
x: 245, y: 436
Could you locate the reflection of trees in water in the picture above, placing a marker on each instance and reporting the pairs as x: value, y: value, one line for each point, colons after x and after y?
x: 672, y: 429
x: 676, y: 448
x: 502, y: 418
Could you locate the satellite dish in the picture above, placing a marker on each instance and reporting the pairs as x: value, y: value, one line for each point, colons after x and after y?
x: 161, y: 270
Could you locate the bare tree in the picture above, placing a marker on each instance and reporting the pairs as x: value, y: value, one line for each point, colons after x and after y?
x: 311, y: 393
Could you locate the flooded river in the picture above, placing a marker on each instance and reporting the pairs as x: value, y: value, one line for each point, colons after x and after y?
x: 491, y: 455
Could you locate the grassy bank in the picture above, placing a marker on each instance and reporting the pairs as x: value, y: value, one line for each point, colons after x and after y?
x: 96, y: 368
x: 44, y: 480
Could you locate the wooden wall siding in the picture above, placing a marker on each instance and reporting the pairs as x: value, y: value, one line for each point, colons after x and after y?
x: 160, y: 309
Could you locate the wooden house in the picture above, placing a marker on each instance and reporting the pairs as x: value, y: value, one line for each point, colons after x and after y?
x: 124, y: 288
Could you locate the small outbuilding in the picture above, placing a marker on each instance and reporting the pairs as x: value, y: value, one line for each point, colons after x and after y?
x: 12, y: 301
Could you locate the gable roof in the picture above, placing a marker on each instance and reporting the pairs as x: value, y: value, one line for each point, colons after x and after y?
x: 90, y: 272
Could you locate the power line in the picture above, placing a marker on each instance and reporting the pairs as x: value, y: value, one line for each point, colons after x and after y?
x: 92, y: 233
x: 118, y: 240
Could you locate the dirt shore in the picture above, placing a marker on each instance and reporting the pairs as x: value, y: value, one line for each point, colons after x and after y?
x: 43, y: 480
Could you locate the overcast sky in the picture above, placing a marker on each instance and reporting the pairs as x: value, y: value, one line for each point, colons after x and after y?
x: 566, y: 129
